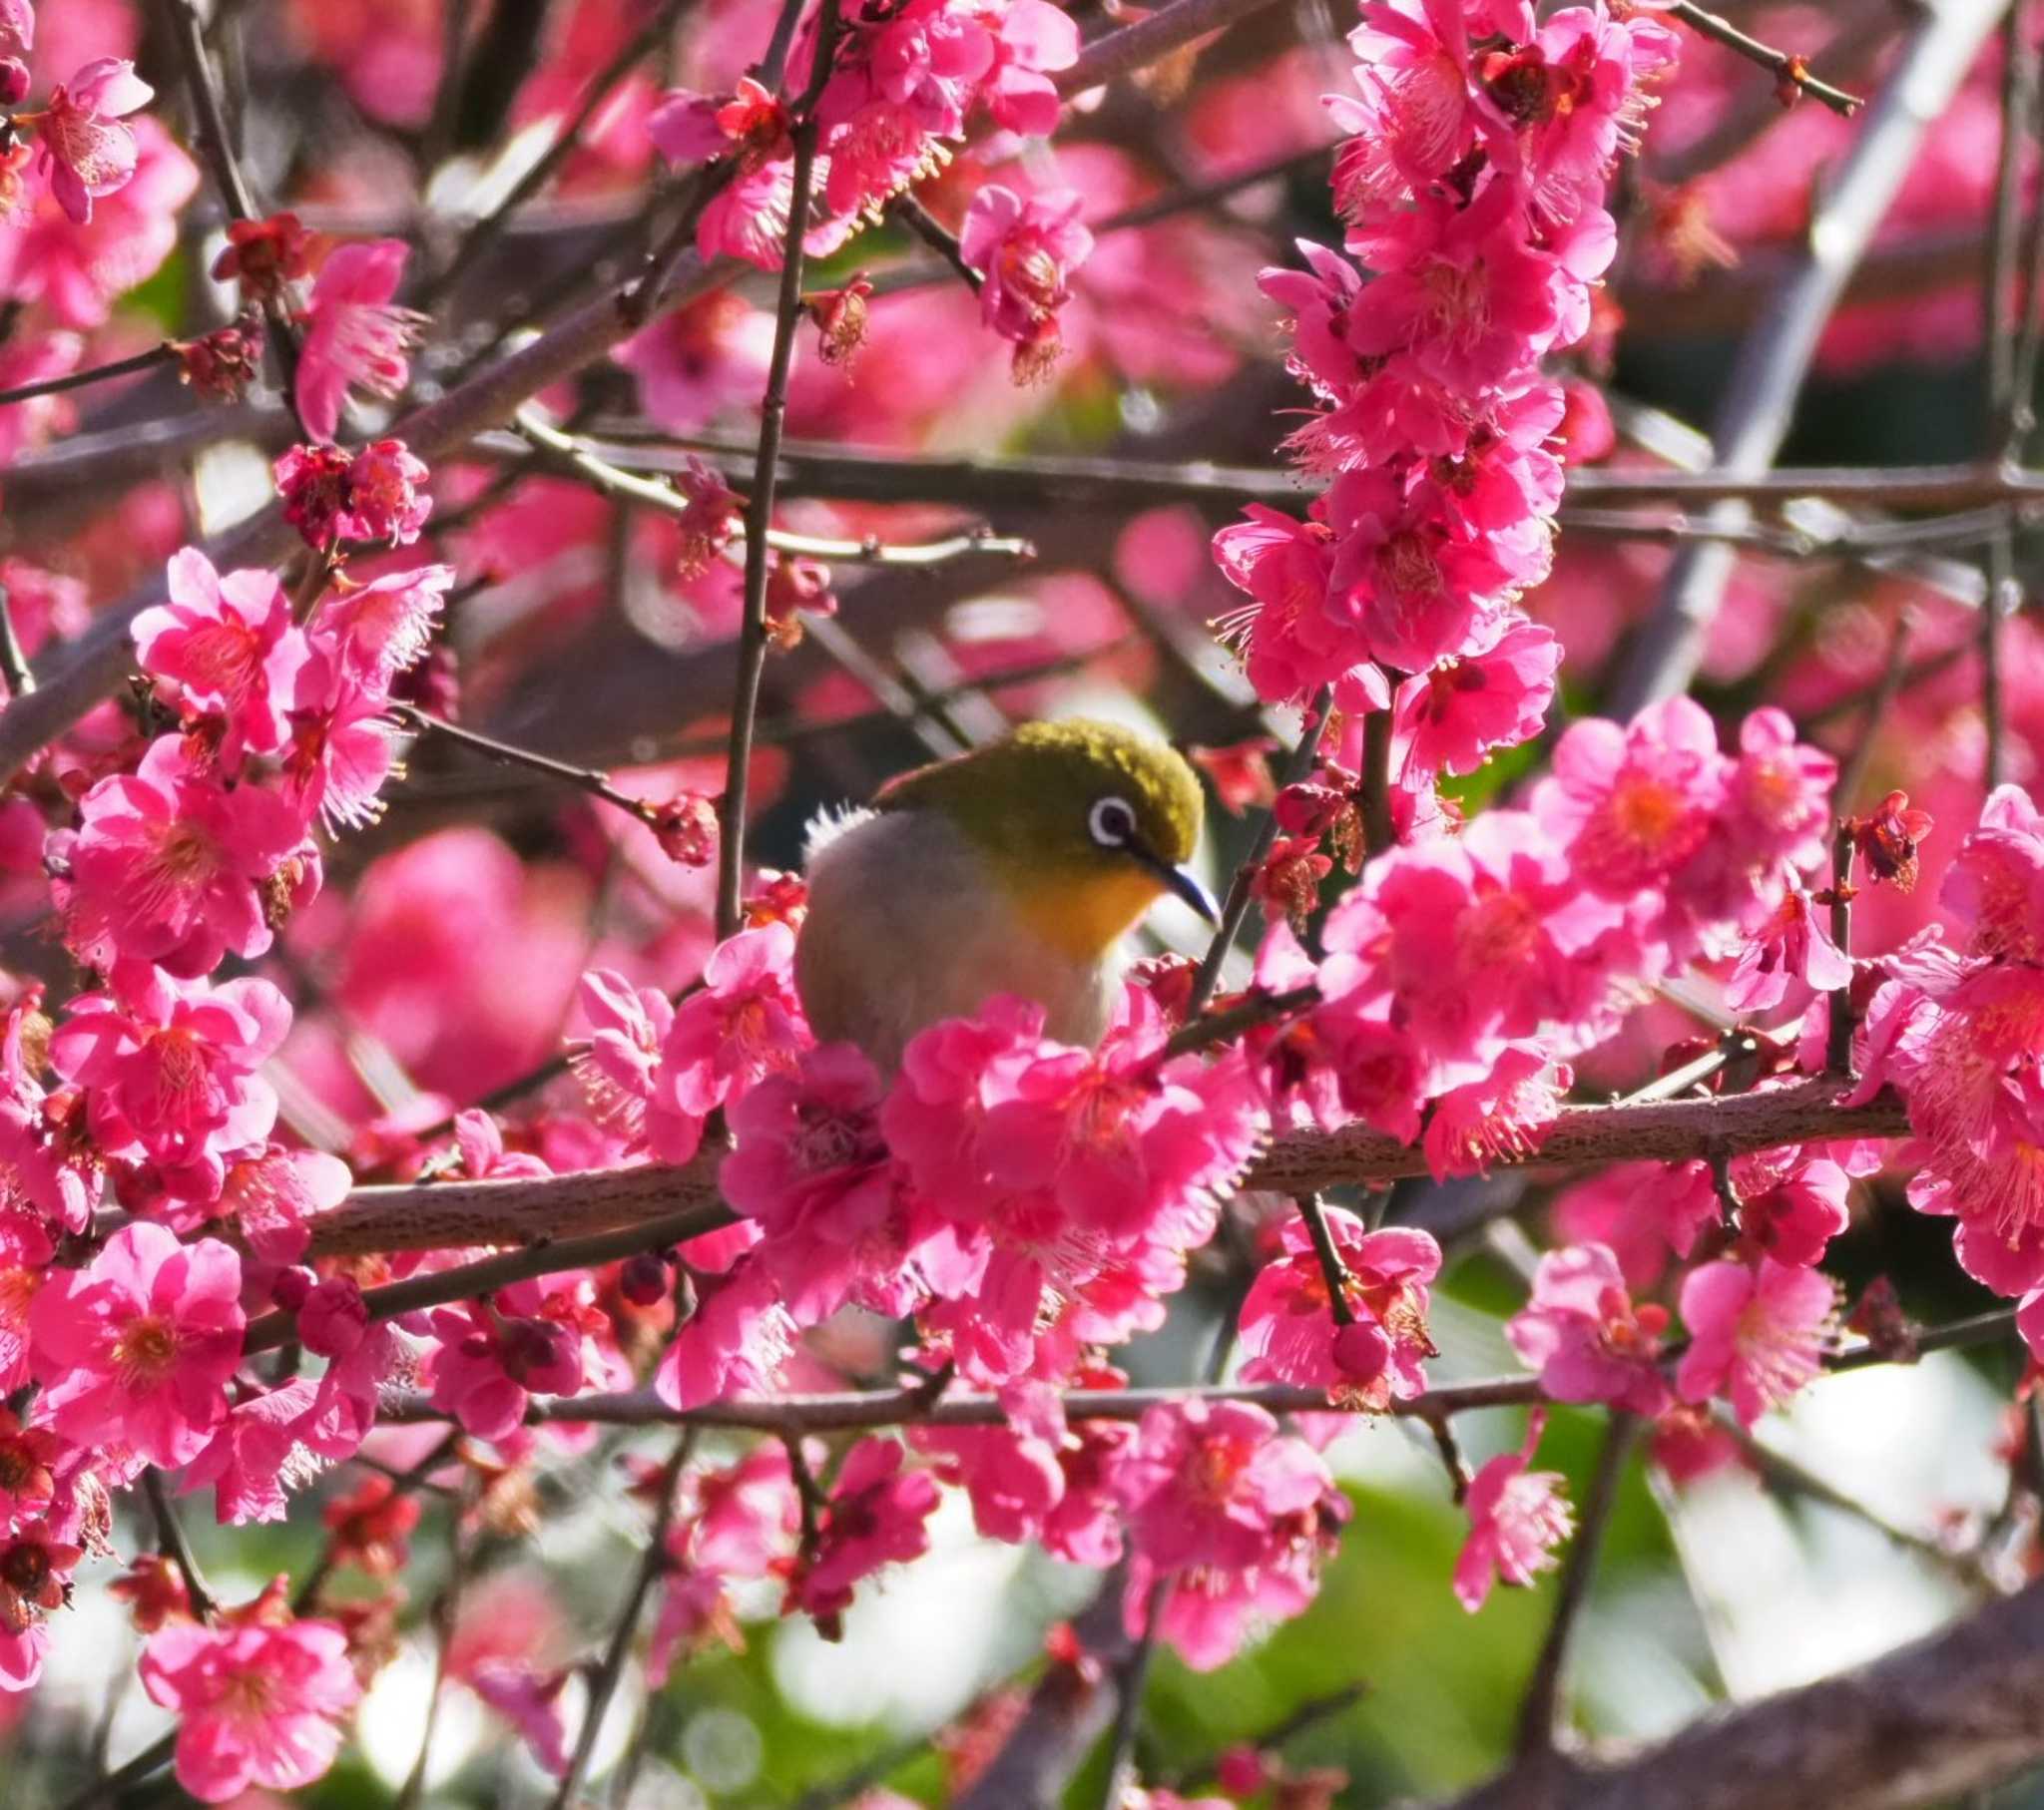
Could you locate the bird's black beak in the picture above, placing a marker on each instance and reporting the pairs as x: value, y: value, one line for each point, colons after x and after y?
x: 1178, y: 882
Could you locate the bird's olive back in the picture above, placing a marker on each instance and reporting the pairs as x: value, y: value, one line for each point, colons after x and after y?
x: 1038, y: 794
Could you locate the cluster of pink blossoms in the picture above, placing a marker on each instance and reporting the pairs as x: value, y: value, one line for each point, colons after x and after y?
x: 905, y: 84
x: 1473, y: 194
x: 185, y: 849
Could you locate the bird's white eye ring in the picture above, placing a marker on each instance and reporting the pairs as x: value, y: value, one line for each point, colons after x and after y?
x: 1111, y: 822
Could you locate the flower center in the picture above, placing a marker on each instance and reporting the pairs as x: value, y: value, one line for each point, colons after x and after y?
x: 146, y: 1352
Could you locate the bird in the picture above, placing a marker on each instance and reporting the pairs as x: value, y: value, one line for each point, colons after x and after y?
x: 1016, y: 867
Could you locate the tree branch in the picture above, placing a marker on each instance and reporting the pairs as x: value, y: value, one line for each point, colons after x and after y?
x: 443, y: 1215
x: 1959, y: 1711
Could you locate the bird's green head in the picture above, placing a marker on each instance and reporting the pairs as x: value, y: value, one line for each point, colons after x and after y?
x: 1083, y: 824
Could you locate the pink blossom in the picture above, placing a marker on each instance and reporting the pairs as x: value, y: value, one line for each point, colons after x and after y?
x: 1033, y: 41
x: 1208, y: 1484
x: 1583, y: 1335
x: 25, y: 1253
x: 136, y: 1349
x: 875, y: 1515
x: 1757, y: 1333
x: 227, y: 642
x: 1516, y: 1518
x: 341, y: 750
x: 1778, y: 795
x: 260, y: 1701
x: 1289, y: 643
x: 355, y: 335
x: 741, y: 1024
x: 1493, y: 696
x: 1558, y: 111
x: 74, y: 270
x: 1788, y: 1206
x: 491, y: 1359
x: 1503, y: 1117
x: 952, y: 1072
x: 1415, y: 119
x: 746, y: 1514
x: 1026, y: 252
x: 1013, y: 1478
x: 172, y: 1072
x: 619, y: 1068
x: 272, y: 1194
x: 49, y: 1162
x: 1641, y: 1212
x: 372, y: 495
x: 1462, y: 290
x: 1289, y: 1333
x: 35, y: 1570
x: 734, y: 1343
x: 86, y: 150
x: 1793, y: 944
x: 246, y: 1461
x: 531, y: 1702
x: 17, y: 27
x: 169, y: 865
x: 1319, y: 303
x: 688, y: 128
x: 382, y: 628
x: 1124, y: 1146
x: 701, y: 359
x: 810, y: 1167
x: 1995, y: 884
x: 26, y: 1455
x: 1238, y: 1516
x: 1416, y: 590
x: 1210, y: 1612
x: 1634, y: 803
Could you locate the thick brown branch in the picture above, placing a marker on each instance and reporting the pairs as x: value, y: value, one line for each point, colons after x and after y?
x: 1959, y: 1711
x: 437, y: 1215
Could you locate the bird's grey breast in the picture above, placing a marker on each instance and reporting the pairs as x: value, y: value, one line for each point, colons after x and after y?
x: 908, y: 925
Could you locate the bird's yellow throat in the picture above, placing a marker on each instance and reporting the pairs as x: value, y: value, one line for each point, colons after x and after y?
x: 1083, y: 915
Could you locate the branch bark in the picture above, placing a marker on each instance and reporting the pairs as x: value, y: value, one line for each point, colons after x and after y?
x: 1956, y: 1713
x: 443, y: 1215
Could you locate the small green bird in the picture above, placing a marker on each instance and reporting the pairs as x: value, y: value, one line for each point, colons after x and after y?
x: 1015, y: 868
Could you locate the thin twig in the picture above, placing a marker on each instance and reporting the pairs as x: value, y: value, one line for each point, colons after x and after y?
x: 98, y: 373
x: 14, y: 665
x: 1250, y: 1014
x: 1786, y: 69
x: 1132, y: 1678
x: 940, y: 239
x: 753, y: 632
x: 216, y: 146
x: 1333, y: 1271
x: 170, y: 1542
x: 581, y: 777
x: 1378, y: 833
x: 1838, y: 1038
x: 1241, y: 889
x: 859, y: 1410
x: 604, y: 1684
x: 1540, y: 1708
x: 613, y: 481
x: 446, y: 1607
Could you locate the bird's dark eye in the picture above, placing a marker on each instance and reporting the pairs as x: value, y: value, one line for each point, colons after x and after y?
x: 1111, y: 823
